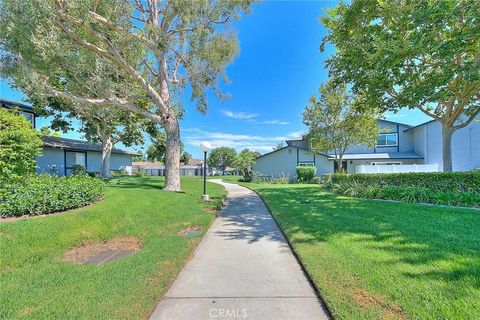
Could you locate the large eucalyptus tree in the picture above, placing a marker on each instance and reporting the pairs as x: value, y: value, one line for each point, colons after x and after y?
x: 160, y: 46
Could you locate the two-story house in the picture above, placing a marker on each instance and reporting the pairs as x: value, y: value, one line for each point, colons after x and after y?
x: 59, y: 155
x: 398, y: 145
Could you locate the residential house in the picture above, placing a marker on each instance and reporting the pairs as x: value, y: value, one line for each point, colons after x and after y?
x: 59, y: 155
x: 399, y: 148
x: 194, y: 167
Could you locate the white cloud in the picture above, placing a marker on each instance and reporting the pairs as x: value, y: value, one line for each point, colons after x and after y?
x: 240, y: 115
x: 195, y: 136
x: 251, y: 117
x: 274, y: 121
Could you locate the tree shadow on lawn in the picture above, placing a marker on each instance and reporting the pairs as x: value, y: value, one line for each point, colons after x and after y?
x: 247, y: 218
x: 133, y: 182
x: 416, y: 235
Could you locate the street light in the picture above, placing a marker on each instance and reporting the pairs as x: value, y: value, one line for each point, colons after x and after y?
x: 205, y: 146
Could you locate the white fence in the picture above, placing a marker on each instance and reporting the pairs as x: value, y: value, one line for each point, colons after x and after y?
x: 396, y: 168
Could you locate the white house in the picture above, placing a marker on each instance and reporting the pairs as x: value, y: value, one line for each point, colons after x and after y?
x: 401, y: 147
x: 59, y: 155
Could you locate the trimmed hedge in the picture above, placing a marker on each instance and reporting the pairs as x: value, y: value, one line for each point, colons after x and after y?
x: 305, y: 174
x: 449, y: 188
x: 443, y: 181
x: 41, y: 194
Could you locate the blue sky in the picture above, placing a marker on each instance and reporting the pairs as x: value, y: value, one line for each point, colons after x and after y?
x: 279, y: 67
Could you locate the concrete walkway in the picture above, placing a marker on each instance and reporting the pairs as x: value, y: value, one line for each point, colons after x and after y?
x: 242, y: 269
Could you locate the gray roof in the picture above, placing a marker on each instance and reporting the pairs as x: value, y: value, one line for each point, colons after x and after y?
x: 419, y: 125
x: 71, y: 144
x: 379, y: 156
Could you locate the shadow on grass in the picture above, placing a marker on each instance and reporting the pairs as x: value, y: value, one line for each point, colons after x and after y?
x: 129, y: 182
x: 416, y: 235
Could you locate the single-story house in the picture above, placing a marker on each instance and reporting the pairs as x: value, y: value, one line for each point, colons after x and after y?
x: 194, y: 167
x: 402, y: 147
x: 59, y: 155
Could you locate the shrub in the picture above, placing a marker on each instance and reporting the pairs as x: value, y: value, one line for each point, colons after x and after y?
x: 119, y: 173
x: 305, y: 174
x: 316, y: 180
x: 19, y: 146
x: 444, y: 181
x: 451, y: 188
x: 78, y: 169
x: 41, y: 194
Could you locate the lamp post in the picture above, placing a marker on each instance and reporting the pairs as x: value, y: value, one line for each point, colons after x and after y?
x: 205, y: 146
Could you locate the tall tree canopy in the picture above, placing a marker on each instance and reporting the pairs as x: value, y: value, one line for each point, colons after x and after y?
x: 158, y: 47
x: 222, y: 157
x: 338, y: 121
x: 416, y: 54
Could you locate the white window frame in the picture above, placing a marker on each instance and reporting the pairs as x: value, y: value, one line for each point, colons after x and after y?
x: 386, y: 140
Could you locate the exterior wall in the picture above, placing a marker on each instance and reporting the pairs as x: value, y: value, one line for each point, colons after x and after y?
x: 52, y: 161
x: 465, y: 146
x: 352, y: 164
x: 280, y: 163
x: 117, y: 161
x: 283, y: 163
x: 404, y: 139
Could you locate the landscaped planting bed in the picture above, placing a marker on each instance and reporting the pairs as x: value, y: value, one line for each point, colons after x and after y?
x: 41, y: 194
x: 447, y: 188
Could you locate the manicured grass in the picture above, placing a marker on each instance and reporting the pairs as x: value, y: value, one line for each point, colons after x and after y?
x: 377, y: 260
x: 36, y: 283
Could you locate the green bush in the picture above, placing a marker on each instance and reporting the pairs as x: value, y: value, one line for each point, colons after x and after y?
x: 19, y: 146
x: 443, y: 181
x: 305, y: 174
x: 41, y: 194
x: 78, y: 169
x: 119, y: 173
x: 450, y: 188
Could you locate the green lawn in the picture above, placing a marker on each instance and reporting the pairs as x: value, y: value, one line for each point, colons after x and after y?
x: 377, y: 260
x: 35, y: 283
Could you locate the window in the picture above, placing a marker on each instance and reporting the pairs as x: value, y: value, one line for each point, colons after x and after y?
x: 387, y: 140
x: 73, y: 158
x: 306, y: 164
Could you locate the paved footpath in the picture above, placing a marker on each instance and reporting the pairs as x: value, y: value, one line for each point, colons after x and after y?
x: 242, y: 269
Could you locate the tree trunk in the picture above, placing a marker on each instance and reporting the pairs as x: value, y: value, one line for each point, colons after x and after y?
x: 447, y: 147
x: 107, y: 147
x: 339, y: 166
x: 172, y: 156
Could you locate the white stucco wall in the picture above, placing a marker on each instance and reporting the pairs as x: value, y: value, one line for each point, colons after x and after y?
x: 465, y: 145
x: 283, y: 163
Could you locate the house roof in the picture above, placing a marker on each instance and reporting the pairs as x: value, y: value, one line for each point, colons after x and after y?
x: 419, y: 125
x: 71, y: 144
x: 11, y: 104
x: 191, y: 163
x: 379, y: 156
x: 291, y: 146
